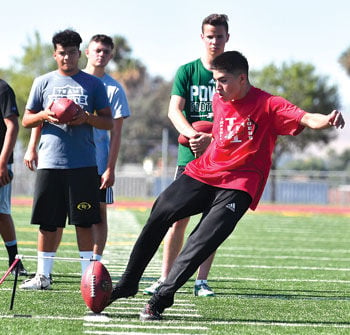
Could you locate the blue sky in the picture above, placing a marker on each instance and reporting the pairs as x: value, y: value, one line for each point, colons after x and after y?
x: 165, y: 34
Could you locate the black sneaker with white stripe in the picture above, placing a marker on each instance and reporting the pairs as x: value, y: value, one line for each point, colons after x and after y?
x: 120, y: 292
x: 150, y: 313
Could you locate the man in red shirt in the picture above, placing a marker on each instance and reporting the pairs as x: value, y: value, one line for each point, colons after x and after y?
x: 223, y: 183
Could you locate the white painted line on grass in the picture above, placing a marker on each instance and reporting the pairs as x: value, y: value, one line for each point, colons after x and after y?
x: 256, y: 266
x: 149, y: 326
x: 146, y: 297
x: 245, y: 256
x: 122, y: 308
x: 284, y: 280
x: 97, y: 317
x: 133, y: 311
x: 284, y: 250
x: 284, y: 324
x: 128, y: 333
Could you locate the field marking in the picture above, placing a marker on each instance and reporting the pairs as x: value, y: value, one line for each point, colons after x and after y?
x: 339, y: 233
x: 310, y: 258
x: 129, y: 333
x: 284, y: 324
x: 286, y: 267
x: 179, y: 302
x: 257, y: 237
x: 273, y: 323
x: 254, y: 248
x: 122, y: 308
x: 105, y: 318
x: 129, y: 326
x: 337, y: 281
x: 134, y: 311
x: 49, y: 317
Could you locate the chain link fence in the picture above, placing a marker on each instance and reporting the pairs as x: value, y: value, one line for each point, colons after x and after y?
x: 132, y: 181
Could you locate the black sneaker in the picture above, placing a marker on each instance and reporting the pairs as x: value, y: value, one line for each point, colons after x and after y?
x: 21, y: 270
x: 118, y: 292
x: 150, y: 313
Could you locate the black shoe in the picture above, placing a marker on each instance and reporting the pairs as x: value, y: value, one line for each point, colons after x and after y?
x: 119, y: 292
x: 150, y: 313
x: 21, y: 270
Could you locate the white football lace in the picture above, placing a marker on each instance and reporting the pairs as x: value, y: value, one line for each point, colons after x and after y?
x: 92, y: 287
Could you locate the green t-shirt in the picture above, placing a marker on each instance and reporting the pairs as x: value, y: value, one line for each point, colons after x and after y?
x: 196, y: 84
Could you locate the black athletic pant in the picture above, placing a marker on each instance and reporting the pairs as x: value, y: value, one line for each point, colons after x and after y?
x: 185, y: 197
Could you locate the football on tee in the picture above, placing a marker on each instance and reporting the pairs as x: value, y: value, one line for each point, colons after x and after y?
x: 64, y: 109
x: 96, y: 286
x: 201, y: 126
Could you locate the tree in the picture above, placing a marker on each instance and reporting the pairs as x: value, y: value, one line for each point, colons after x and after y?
x: 298, y: 83
x: 148, y: 99
x: 37, y: 57
x: 36, y: 60
x: 143, y: 134
x: 128, y: 70
x: 338, y: 162
x: 344, y: 61
x: 310, y: 163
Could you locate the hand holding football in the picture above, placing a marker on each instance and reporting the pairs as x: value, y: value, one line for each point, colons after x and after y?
x: 200, y: 126
x: 65, y: 109
x: 96, y: 286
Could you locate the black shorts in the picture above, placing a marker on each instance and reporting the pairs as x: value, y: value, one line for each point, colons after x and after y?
x: 179, y: 171
x: 62, y: 193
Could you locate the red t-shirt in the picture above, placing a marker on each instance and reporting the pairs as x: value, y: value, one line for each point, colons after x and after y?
x: 244, y: 136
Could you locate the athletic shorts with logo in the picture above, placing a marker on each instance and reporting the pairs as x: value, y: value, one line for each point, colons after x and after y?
x: 66, y: 193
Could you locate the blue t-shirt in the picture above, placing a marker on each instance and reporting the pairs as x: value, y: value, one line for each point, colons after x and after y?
x: 62, y: 146
x: 120, y: 108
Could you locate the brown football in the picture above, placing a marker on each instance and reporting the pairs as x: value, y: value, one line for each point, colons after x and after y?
x: 65, y: 109
x: 201, y: 126
x: 96, y: 286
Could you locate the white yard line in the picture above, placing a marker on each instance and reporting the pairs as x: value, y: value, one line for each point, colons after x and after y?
x: 151, y: 326
x: 251, y: 248
x: 101, y: 320
x: 256, y: 266
x: 283, y: 280
x: 284, y: 257
x: 129, y: 333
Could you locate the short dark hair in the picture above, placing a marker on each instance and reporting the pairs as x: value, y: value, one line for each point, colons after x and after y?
x: 231, y: 61
x: 216, y: 20
x: 66, y: 38
x: 103, y: 39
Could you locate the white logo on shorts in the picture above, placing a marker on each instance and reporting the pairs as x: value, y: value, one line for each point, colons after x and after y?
x: 231, y: 207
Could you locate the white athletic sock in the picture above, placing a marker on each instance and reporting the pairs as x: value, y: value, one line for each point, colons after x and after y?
x: 45, y: 265
x: 97, y: 257
x: 201, y: 281
x: 86, y: 257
